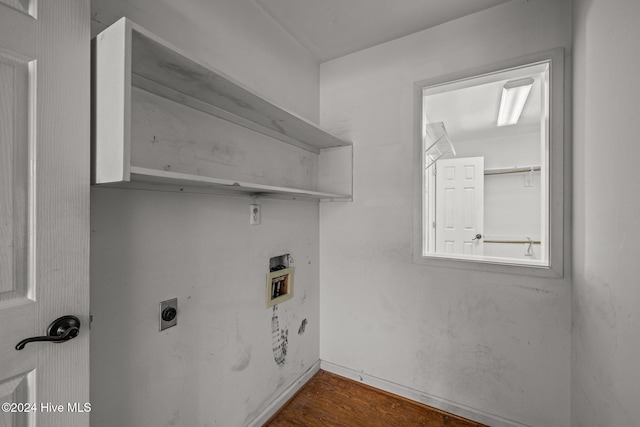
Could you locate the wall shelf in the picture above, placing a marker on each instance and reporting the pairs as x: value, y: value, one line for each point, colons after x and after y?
x: 151, y: 179
x: 163, y: 120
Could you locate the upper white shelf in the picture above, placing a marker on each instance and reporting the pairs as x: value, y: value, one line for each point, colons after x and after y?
x: 129, y: 59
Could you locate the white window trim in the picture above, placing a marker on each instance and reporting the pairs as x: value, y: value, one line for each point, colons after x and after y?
x: 559, y: 172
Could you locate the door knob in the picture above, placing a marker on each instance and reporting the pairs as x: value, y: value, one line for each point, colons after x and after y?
x: 60, y: 330
x: 478, y: 237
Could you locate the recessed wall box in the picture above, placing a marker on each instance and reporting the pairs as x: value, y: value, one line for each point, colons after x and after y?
x: 168, y: 313
x: 279, y: 262
x: 279, y: 286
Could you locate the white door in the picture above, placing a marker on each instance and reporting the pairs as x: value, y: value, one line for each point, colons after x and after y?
x: 44, y: 209
x: 460, y: 206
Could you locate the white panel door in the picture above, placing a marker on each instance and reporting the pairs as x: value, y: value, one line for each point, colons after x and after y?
x: 44, y: 209
x: 459, y: 206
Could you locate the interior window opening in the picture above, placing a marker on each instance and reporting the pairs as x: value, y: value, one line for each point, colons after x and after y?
x: 485, y: 167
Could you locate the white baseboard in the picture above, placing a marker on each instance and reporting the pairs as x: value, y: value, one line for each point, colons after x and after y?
x: 280, y: 400
x: 417, y: 396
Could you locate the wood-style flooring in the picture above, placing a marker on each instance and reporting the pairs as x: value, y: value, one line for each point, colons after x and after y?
x: 331, y: 400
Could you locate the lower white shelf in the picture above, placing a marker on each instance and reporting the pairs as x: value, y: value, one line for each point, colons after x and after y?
x: 152, y: 179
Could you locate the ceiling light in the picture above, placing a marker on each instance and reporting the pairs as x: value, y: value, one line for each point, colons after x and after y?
x: 514, y: 96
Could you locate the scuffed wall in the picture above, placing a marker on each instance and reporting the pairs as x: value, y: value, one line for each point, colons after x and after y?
x: 495, y: 344
x: 229, y: 356
x: 606, y: 291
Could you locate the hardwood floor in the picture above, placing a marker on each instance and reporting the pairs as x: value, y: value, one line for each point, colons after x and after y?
x: 331, y: 400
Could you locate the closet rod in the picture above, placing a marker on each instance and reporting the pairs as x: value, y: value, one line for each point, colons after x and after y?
x: 504, y: 171
x: 535, y: 242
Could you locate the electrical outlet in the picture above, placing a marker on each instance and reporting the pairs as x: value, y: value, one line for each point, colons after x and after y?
x: 255, y: 215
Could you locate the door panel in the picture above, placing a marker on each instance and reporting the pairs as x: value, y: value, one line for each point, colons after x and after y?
x: 14, y: 164
x: 18, y: 389
x: 17, y: 307
x: 459, y: 205
x: 21, y: 5
x: 44, y: 205
x: 469, y: 213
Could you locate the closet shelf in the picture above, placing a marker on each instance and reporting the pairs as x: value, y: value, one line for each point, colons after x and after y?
x: 146, y: 90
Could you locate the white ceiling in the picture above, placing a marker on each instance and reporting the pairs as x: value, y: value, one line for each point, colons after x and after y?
x: 332, y: 28
x: 469, y: 109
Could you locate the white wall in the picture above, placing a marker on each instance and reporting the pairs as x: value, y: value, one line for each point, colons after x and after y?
x: 495, y: 343
x: 217, y: 367
x: 606, y: 291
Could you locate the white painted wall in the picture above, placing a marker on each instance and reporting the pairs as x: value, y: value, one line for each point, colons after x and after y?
x: 495, y: 343
x: 217, y: 366
x: 606, y: 291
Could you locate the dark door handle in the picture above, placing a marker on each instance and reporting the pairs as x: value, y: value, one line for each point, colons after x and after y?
x: 478, y: 237
x: 60, y: 330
